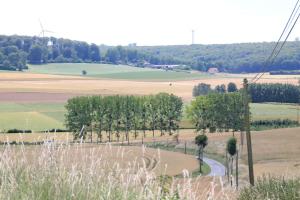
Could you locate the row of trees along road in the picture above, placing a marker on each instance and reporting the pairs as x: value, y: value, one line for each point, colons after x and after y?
x: 217, y: 111
x: 222, y: 111
x: 123, y: 114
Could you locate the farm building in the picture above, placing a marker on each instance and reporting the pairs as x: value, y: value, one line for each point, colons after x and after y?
x: 213, y: 70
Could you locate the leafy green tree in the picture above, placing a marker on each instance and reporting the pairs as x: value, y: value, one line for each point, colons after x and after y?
x: 162, y: 99
x: 231, y: 146
x: 282, y: 93
x: 112, y: 56
x: 144, y: 102
x: 79, y: 116
x: 201, y: 141
x: 109, y: 115
x: 153, y: 113
x: 128, y: 115
x: 118, y: 114
x: 201, y: 89
x: 220, y: 88
x: 94, y: 53
x: 99, y: 108
x: 35, y: 55
x: 217, y: 110
x: 10, y: 49
x: 231, y: 150
x: 137, y: 114
x: 197, y: 113
x: 231, y: 87
x: 174, y: 113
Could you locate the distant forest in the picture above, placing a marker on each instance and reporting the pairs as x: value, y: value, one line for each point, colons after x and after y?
x: 234, y: 58
x: 17, y: 51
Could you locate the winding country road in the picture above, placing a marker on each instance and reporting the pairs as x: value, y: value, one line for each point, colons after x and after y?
x: 216, y: 168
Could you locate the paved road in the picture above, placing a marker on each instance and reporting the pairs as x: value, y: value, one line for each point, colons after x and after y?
x: 216, y: 168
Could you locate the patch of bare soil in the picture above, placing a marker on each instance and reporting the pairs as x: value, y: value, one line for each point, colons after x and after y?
x: 35, y: 97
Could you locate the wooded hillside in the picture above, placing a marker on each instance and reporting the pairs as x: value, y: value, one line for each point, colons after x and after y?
x: 16, y: 51
x: 236, y: 58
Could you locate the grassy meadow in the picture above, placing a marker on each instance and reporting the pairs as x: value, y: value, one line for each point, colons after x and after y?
x: 115, y: 72
x: 31, y: 116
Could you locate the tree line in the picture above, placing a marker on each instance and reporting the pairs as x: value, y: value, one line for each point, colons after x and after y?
x: 275, y: 92
x: 259, y: 92
x: 204, y: 89
x: 233, y: 58
x: 16, y: 51
x: 123, y: 114
x: 217, y: 111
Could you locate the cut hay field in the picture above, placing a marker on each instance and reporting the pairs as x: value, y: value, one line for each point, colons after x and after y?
x: 275, y: 152
x: 60, y: 81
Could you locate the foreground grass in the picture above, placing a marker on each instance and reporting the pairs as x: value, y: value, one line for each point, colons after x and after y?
x: 272, y: 188
x: 75, y: 172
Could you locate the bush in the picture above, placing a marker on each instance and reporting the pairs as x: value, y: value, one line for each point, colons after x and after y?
x: 201, y: 140
x: 277, y: 123
x: 57, y: 130
x: 231, y: 146
x: 18, y: 131
x: 272, y: 188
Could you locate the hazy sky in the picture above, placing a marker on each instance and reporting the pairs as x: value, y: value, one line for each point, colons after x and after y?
x: 149, y: 22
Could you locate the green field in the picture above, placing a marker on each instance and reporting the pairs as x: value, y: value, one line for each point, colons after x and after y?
x: 33, y: 116
x: 273, y: 111
x: 114, y: 72
x: 44, y: 116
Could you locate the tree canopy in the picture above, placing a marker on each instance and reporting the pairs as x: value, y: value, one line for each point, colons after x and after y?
x: 275, y: 92
x: 114, y: 114
x: 221, y: 111
x: 234, y: 58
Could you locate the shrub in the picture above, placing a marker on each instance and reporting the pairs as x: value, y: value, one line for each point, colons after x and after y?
x: 201, y: 140
x: 231, y: 146
x: 18, y: 131
x: 57, y: 130
x: 277, y: 123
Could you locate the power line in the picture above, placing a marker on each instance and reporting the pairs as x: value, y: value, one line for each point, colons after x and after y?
x: 276, y: 52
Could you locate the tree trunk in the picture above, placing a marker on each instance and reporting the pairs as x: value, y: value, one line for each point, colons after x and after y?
x: 231, y: 171
x: 153, y: 131
x: 128, y: 138
x: 227, y: 166
x: 91, y: 136
x: 200, y: 162
x: 237, y: 170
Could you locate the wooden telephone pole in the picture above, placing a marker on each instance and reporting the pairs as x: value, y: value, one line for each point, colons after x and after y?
x: 248, y: 134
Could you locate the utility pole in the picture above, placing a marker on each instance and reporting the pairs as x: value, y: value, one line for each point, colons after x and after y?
x: 298, y: 110
x: 248, y: 134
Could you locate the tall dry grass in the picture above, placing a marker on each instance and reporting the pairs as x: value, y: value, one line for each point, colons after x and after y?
x: 65, y: 171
